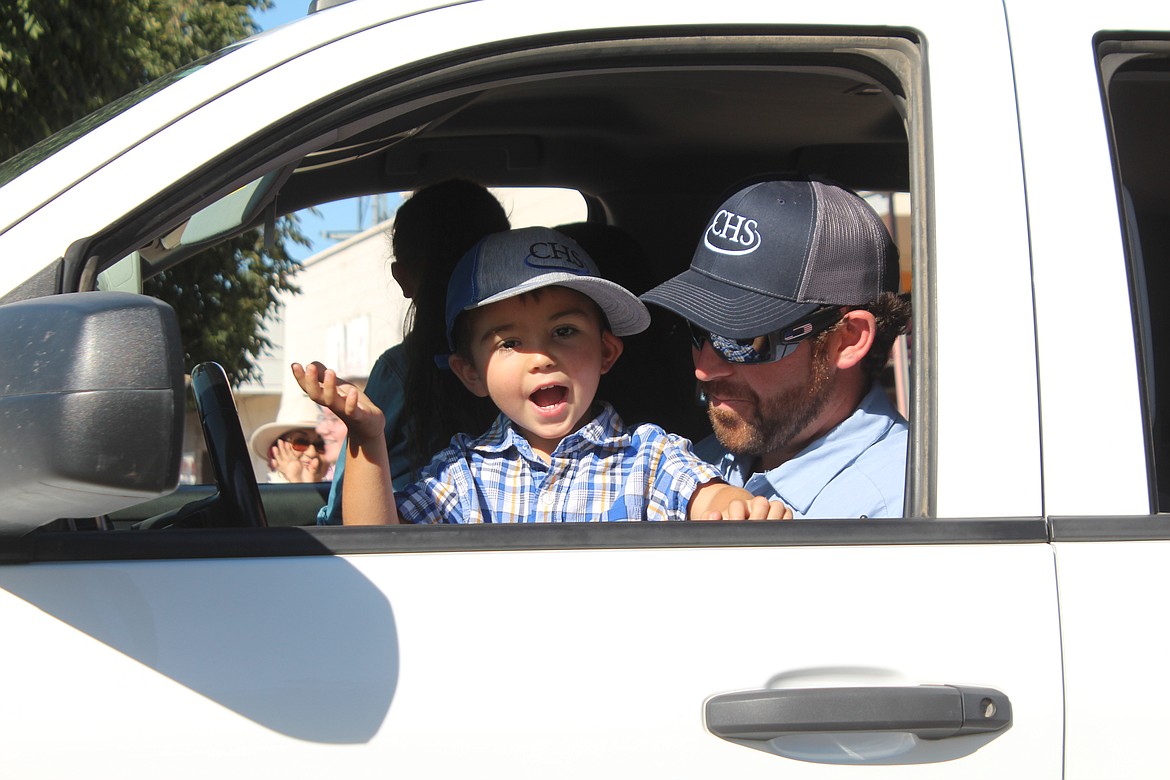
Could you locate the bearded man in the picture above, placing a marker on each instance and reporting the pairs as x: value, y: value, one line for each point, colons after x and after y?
x: 793, y: 306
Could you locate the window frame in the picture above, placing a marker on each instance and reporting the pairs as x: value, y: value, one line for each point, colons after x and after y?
x: 293, y: 134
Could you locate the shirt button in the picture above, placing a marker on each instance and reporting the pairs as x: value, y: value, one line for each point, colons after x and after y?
x: 546, y: 499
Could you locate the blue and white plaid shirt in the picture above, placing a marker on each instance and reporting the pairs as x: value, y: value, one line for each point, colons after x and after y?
x: 603, y: 472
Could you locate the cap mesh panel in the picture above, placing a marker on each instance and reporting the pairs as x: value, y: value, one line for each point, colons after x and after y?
x: 850, y: 250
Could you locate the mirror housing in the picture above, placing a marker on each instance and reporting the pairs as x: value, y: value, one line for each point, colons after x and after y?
x: 91, y: 406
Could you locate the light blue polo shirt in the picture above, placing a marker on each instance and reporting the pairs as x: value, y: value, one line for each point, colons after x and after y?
x: 858, y: 469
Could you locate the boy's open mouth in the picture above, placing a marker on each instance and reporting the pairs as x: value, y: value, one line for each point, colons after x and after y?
x: 549, y: 396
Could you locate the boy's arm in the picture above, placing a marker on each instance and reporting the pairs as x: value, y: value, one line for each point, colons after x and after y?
x: 367, y: 494
x: 716, y: 500
x: 367, y: 491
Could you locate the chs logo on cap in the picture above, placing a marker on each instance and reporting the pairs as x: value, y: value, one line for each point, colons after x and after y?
x: 554, y: 256
x: 732, y: 234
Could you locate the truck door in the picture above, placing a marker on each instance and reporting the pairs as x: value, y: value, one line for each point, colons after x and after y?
x: 836, y: 648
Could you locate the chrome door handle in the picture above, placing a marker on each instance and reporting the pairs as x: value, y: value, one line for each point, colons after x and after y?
x: 927, y: 711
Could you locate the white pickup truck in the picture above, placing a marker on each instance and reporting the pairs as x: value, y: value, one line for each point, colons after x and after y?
x: 1011, y: 625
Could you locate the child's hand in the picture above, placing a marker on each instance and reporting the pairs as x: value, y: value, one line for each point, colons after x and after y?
x: 717, y: 500
x: 368, y: 489
x: 364, y: 420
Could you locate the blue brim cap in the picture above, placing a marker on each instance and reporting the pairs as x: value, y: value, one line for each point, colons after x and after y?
x: 504, y: 265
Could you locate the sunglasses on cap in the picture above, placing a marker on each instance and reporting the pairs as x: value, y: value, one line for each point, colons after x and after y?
x: 301, y: 442
x: 771, y: 346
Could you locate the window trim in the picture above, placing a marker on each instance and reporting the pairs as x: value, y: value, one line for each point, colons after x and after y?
x: 900, y: 53
x: 77, y: 546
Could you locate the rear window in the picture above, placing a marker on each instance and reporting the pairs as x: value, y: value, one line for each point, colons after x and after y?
x: 1135, y: 76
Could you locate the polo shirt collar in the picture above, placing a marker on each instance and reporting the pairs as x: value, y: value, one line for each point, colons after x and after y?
x: 800, y: 480
x: 604, y: 431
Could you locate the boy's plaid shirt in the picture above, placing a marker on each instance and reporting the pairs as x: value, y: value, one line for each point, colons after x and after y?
x: 603, y: 472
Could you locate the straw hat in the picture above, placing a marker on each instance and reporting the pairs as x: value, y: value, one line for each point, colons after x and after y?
x: 294, y: 414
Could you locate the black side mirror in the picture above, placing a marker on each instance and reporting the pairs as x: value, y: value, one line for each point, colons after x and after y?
x: 91, y: 406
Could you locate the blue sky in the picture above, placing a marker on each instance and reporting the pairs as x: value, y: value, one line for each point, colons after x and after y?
x: 282, y: 11
x: 335, y: 217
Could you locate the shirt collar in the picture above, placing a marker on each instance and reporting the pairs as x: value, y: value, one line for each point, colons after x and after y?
x: 800, y: 480
x: 605, y: 430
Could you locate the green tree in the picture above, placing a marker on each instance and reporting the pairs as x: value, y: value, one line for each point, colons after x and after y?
x: 62, y: 59
x: 225, y: 294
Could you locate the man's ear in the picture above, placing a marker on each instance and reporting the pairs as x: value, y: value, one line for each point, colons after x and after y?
x: 468, y: 375
x: 611, y: 350
x: 853, y: 337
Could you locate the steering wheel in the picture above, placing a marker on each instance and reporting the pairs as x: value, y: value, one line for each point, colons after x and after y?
x: 238, y: 501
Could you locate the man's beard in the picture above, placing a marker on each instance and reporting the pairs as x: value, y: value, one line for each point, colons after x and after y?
x: 777, y: 419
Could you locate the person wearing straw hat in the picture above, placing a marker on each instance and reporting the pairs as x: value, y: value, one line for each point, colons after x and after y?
x: 290, y: 445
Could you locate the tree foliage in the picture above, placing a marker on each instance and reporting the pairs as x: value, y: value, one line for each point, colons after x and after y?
x: 63, y: 59
x: 224, y: 295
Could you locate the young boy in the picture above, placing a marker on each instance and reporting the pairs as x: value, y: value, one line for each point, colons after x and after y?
x: 532, y: 326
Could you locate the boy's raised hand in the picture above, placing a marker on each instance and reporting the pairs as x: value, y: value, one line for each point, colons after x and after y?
x: 368, y: 489
x: 363, y: 419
